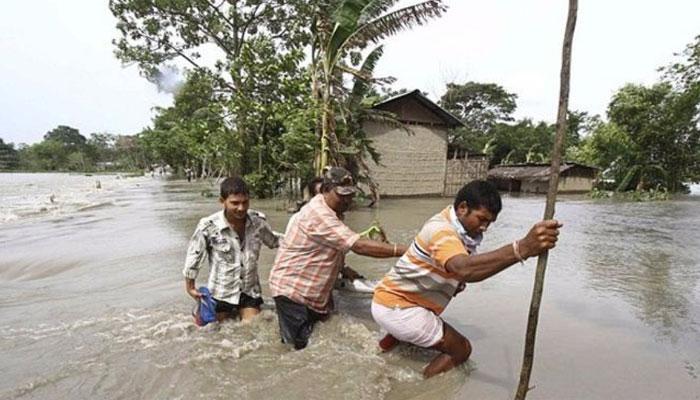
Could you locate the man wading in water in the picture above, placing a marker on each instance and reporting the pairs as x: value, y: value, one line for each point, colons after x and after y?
x: 311, y: 254
x: 231, y: 240
x: 442, y: 258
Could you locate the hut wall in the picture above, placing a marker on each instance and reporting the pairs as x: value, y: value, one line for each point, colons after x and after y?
x: 412, y: 110
x: 460, y: 172
x: 575, y: 184
x: 412, y: 164
x: 567, y: 184
x: 534, y: 186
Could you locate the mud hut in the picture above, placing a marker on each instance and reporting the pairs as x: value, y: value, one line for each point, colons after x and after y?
x: 414, y: 159
x: 534, y: 178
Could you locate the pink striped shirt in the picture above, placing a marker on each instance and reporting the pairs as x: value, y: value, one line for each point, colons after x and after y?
x: 310, y: 256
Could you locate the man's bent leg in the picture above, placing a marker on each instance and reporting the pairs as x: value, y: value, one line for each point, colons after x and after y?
x: 455, y: 348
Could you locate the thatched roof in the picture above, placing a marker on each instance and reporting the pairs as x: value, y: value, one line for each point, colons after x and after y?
x: 533, y: 172
x: 444, y: 115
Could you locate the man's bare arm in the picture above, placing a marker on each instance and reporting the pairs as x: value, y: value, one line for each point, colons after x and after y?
x: 474, y: 268
x: 373, y: 248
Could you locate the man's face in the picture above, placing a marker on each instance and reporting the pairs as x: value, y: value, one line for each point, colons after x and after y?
x: 235, y: 206
x: 475, y: 221
x: 340, y: 203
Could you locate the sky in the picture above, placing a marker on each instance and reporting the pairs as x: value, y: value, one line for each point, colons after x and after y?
x: 58, y: 66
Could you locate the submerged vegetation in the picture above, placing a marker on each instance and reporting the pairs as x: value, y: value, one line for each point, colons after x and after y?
x: 275, y: 89
x: 635, y: 195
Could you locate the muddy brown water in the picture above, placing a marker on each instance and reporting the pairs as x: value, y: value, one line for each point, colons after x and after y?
x: 92, y: 305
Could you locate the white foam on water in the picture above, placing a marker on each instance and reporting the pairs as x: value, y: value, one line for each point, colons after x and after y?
x: 26, y: 196
x: 162, y: 350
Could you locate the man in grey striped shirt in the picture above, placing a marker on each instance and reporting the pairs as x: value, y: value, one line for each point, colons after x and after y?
x: 230, y: 240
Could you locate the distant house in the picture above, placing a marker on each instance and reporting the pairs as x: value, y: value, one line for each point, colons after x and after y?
x: 414, y: 161
x: 534, y: 178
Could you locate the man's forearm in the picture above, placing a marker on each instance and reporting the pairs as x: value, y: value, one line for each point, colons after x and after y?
x: 475, y: 268
x: 373, y: 248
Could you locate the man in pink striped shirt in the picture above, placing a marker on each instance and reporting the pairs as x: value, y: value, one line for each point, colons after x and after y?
x: 311, y: 255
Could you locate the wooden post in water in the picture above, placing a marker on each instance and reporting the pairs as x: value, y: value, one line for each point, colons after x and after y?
x: 529, y: 353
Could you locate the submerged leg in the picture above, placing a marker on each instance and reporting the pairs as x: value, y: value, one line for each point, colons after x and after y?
x: 248, y: 313
x: 455, y: 350
x: 222, y: 316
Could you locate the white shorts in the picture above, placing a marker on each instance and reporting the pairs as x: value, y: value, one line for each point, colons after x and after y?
x: 416, y: 325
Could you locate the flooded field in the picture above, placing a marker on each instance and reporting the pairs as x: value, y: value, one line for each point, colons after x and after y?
x: 93, y: 305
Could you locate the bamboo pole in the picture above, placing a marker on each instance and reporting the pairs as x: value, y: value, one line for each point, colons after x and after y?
x: 529, y: 353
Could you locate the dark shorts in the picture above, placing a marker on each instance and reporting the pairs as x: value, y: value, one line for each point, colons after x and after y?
x: 244, y: 301
x: 296, y: 321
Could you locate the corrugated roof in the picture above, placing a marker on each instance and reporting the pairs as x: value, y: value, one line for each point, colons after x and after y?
x: 530, y: 172
x: 449, y: 119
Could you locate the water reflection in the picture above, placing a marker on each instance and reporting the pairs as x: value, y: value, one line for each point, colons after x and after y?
x: 646, y: 254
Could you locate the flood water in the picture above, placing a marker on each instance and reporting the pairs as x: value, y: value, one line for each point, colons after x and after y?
x: 92, y: 305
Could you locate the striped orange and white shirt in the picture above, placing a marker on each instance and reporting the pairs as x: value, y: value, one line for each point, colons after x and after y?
x: 419, y: 277
x: 311, y: 255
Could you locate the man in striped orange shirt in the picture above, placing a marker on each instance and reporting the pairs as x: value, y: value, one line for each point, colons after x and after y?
x: 440, y: 260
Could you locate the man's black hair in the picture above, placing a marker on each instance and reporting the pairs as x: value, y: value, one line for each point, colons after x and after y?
x: 479, y: 194
x: 233, y: 185
x: 311, y: 186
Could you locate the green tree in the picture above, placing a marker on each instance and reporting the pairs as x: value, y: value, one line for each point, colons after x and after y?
x: 341, y: 31
x: 69, y: 137
x: 155, y: 32
x: 662, y: 125
x: 521, y: 142
x: 609, y: 148
x: 479, y: 106
x: 9, y: 157
x: 101, y: 147
x: 48, y: 155
x: 685, y: 73
x: 254, y: 84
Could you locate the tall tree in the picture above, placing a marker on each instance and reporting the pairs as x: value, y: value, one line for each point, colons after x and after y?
x: 341, y: 31
x: 156, y: 32
x: 67, y: 136
x: 479, y: 106
x: 685, y: 73
x: 662, y: 125
x: 248, y: 50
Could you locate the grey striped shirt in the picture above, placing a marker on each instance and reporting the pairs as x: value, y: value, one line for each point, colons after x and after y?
x: 233, y: 266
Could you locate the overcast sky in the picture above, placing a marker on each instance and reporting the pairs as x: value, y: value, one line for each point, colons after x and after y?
x: 58, y: 66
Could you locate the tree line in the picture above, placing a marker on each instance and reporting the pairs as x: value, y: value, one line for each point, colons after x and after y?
x: 650, y: 138
x: 274, y: 89
x: 65, y: 149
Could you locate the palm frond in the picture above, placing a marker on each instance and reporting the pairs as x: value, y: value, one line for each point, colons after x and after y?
x: 358, y: 74
x: 346, y: 18
x: 393, y: 23
x: 361, y: 86
x: 376, y: 8
x: 624, y: 184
